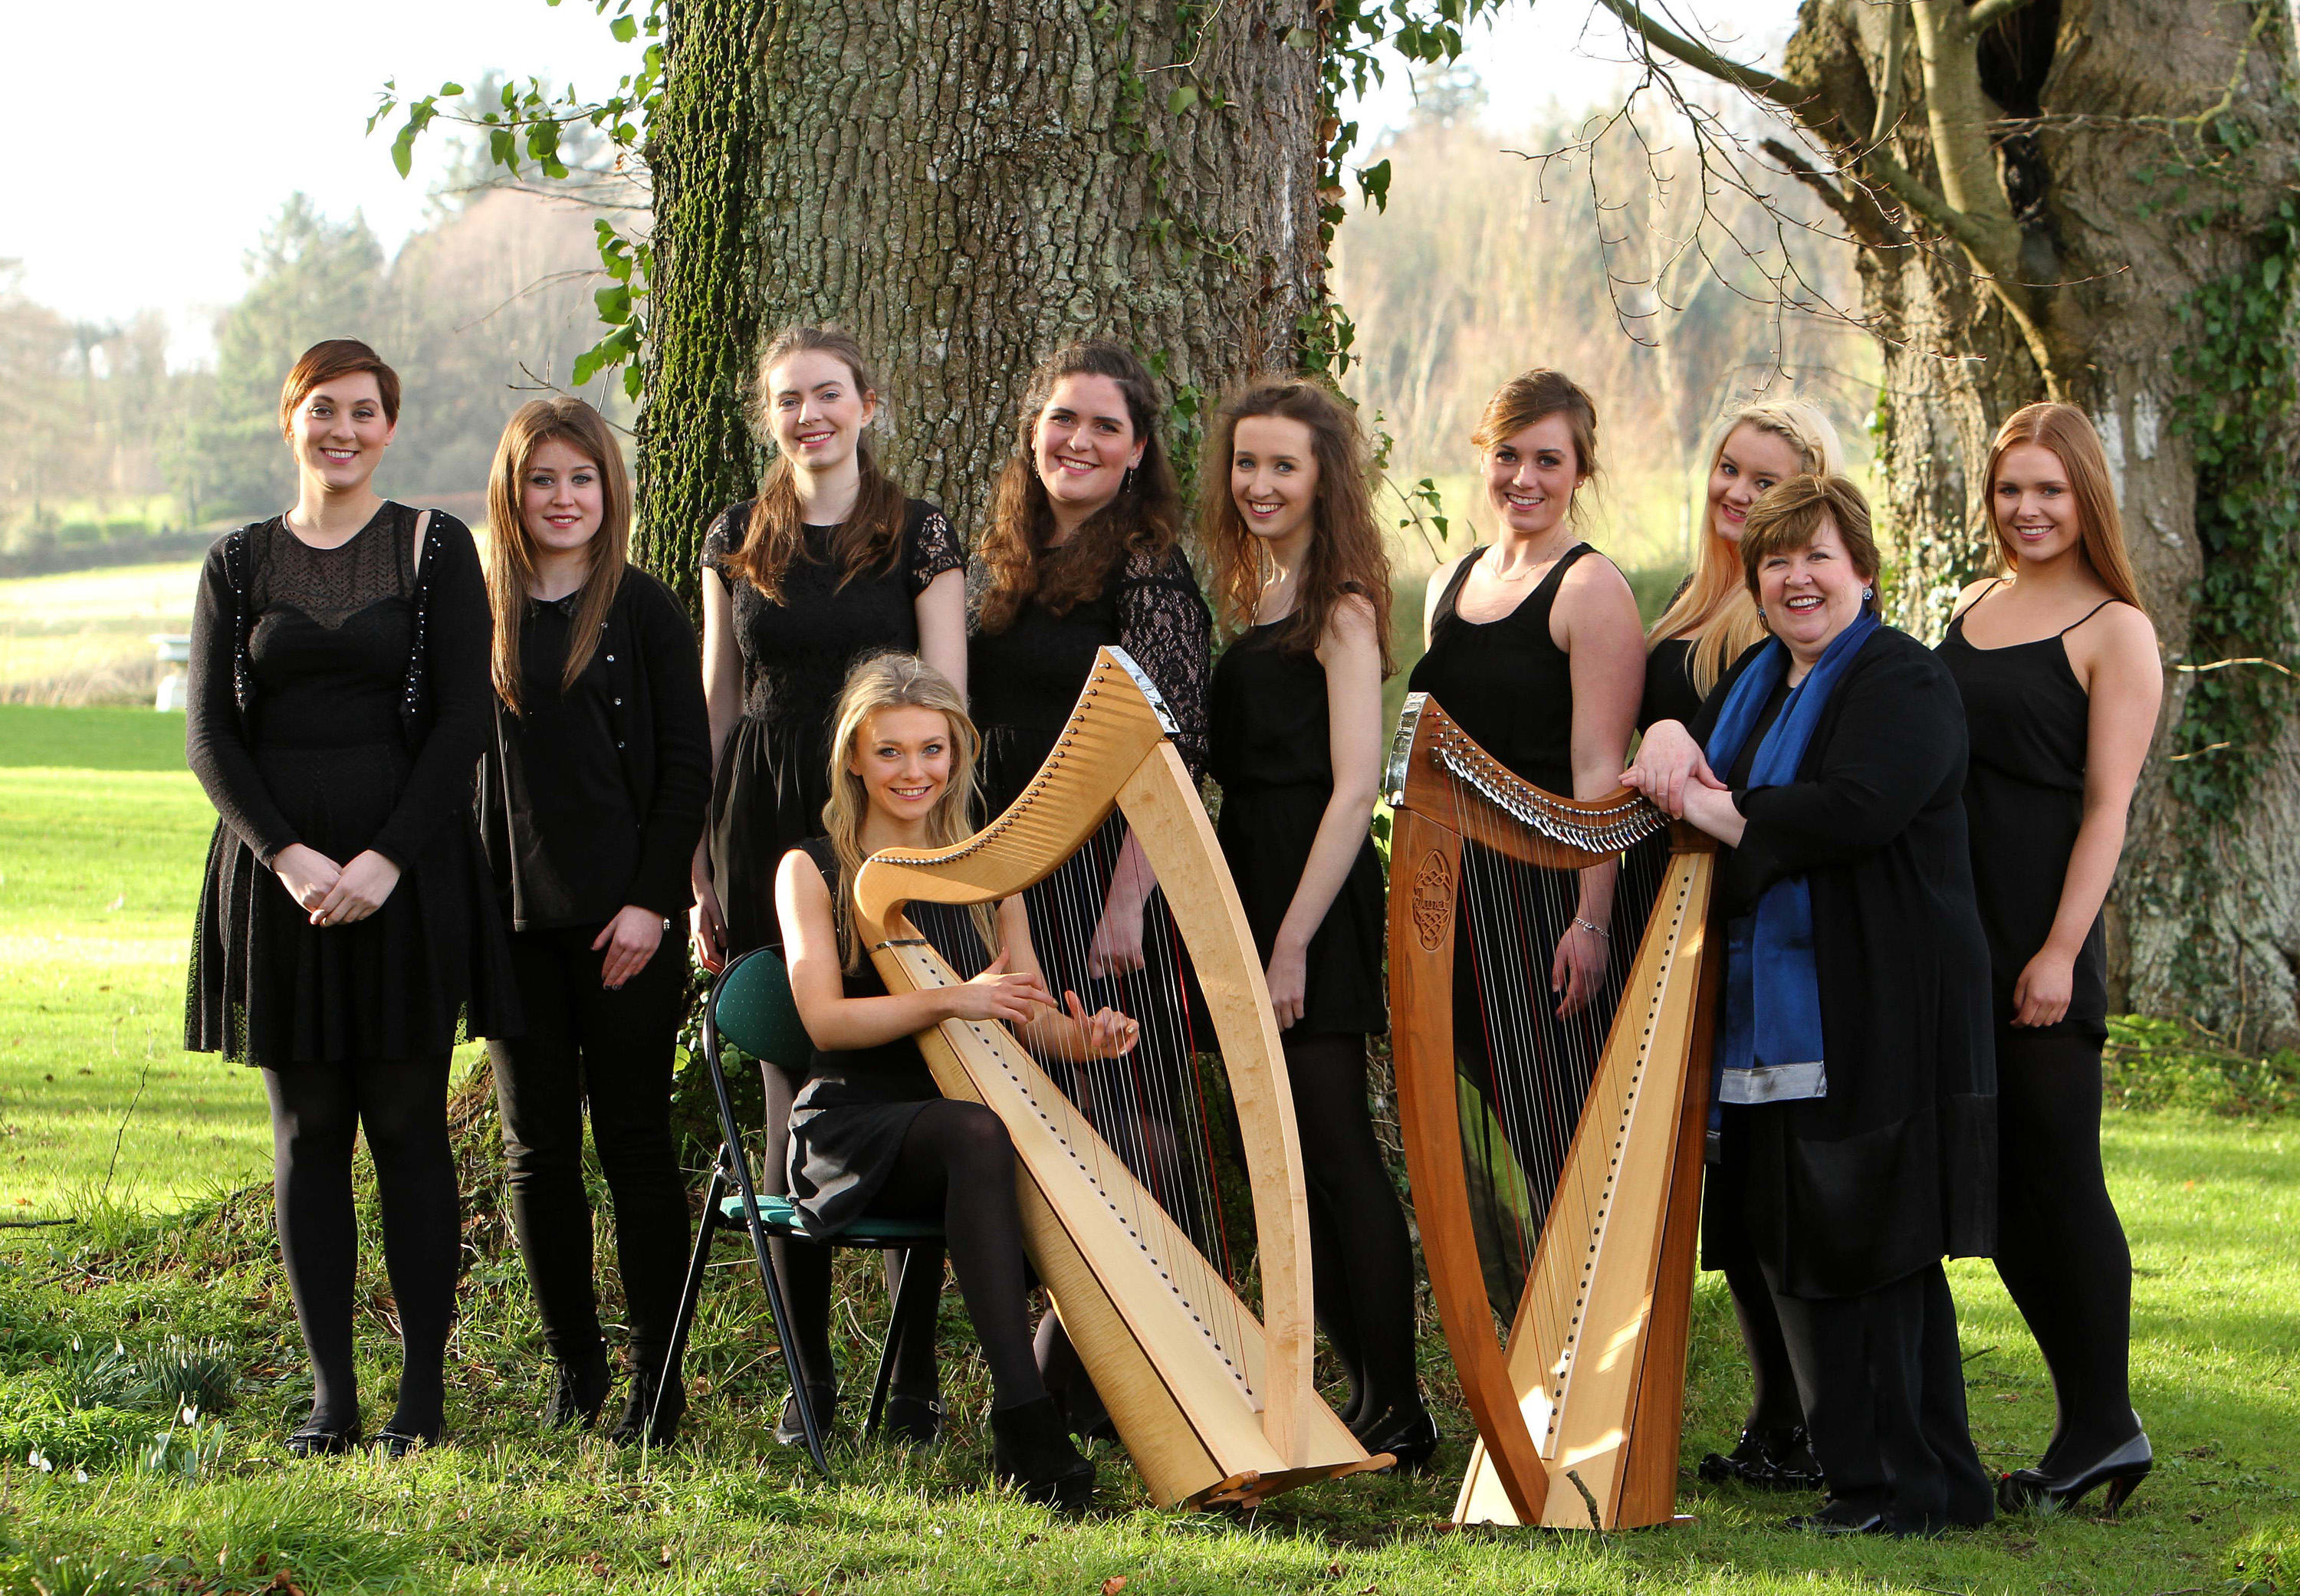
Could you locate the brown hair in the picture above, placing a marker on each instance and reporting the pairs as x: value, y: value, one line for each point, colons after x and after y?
x: 1537, y: 395
x: 1346, y: 553
x: 887, y: 681
x: 1714, y: 604
x: 509, y: 555
x: 1145, y: 518
x: 2067, y: 433
x: 328, y: 360
x: 872, y: 535
x: 1790, y: 515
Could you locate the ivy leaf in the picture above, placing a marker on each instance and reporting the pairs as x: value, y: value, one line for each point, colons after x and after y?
x: 1302, y: 39
x: 2272, y: 271
x: 624, y: 29
x: 1181, y: 100
x: 614, y: 303
x: 1373, y: 182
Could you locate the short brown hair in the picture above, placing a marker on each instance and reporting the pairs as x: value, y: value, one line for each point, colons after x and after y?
x: 329, y: 358
x: 1537, y: 395
x: 1789, y: 515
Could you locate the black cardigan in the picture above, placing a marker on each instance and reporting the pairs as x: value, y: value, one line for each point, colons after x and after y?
x: 662, y: 734
x: 1896, y: 1168
x: 444, y: 705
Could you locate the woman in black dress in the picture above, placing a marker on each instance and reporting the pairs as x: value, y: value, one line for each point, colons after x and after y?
x: 830, y: 562
x: 1303, y: 579
x: 1535, y: 650
x: 1856, y: 1073
x: 1710, y: 622
x: 591, y: 797
x: 347, y: 932
x: 2061, y: 678
x: 1082, y: 551
x: 871, y: 1132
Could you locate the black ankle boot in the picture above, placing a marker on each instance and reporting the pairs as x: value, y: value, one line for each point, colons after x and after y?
x: 789, y: 1431
x: 652, y: 1413
x: 578, y: 1390
x: 1030, y: 1449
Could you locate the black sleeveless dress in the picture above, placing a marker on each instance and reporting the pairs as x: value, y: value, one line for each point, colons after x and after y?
x: 1508, y: 685
x: 774, y: 773
x: 848, y: 1122
x: 1273, y: 754
x: 2031, y: 724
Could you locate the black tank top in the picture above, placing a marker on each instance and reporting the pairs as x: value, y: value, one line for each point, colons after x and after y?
x: 2030, y: 721
x: 1505, y: 681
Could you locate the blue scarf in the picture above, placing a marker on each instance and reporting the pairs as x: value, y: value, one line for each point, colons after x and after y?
x: 1770, y: 1048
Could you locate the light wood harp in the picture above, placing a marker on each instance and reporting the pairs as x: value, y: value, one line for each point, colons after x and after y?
x: 1580, y: 1415
x: 1215, y: 1405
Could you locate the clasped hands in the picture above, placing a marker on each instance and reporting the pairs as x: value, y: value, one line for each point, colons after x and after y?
x: 1020, y: 998
x: 335, y: 894
x: 1674, y: 774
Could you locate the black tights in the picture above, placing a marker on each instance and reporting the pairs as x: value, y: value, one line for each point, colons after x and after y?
x: 401, y: 1105
x: 803, y: 1269
x: 957, y: 1165
x: 1361, y: 1262
x: 1774, y: 1405
x: 2061, y: 1248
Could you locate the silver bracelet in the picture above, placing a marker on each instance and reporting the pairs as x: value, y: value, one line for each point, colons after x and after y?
x: 1586, y: 926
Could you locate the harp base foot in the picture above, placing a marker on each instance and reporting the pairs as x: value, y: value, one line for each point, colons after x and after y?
x: 1254, y: 1487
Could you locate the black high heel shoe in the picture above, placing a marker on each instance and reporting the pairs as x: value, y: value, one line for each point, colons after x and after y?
x: 1767, y: 1459
x: 1408, y: 1435
x: 316, y: 1438
x: 2120, y: 1471
x: 789, y: 1431
x: 1030, y: 1449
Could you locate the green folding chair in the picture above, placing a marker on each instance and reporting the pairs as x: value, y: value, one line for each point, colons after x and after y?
x: 750, y: 1008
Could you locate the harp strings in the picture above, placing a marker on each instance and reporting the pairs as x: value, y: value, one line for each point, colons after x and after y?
x: 1531, y: 1069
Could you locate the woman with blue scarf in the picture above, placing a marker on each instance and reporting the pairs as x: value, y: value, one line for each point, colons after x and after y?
x: 1855, y: 1129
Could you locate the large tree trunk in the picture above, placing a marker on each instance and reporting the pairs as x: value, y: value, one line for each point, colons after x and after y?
x: 966, y: 185
x: 2206, y: 918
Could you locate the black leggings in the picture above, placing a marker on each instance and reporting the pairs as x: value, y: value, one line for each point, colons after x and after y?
x: 2061, y: 1248
x: 401, y: 1105
x: 957, y: 1165
x: 1361, y: 1258
x: 614, y: 1050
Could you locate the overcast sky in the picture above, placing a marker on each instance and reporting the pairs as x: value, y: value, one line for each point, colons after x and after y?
x: 156, y: 138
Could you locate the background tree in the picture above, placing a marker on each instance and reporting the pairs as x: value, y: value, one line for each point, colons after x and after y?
x: 2093, y: 201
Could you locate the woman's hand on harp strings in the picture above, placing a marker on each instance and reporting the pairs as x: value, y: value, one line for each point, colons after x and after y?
x: 1001, y: 992
x: 1116, y: 948
x: 1669, y: 761
x: 1577, y: 972
x: 1105, y: 1033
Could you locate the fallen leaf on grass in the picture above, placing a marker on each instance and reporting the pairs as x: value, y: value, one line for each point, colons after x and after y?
x: 666, y: 1554
x: 1113, y: 1584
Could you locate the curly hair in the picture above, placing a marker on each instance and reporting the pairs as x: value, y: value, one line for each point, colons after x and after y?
x: 1346, y: 553
x: 1145, y: 518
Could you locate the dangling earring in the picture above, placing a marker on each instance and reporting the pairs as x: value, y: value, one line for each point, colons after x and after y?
x: 1126, y: 487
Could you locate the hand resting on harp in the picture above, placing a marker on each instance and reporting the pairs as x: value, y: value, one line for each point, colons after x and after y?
x: 1672, y: 772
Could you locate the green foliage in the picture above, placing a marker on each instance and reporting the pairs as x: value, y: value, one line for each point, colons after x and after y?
x: 2163, y: 1064
x: 2241, y: 352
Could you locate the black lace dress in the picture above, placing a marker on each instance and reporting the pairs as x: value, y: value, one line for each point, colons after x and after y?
x: 341, y: 699
x: 774, y: 773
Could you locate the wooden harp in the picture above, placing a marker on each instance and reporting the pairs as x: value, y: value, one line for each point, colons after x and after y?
x: 1215, y: 1405
x: 1580, y: 1415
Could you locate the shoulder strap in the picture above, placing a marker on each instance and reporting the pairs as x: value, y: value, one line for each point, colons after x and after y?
x: 2087, y: 615
x: 1994, y: 584
x: 1447, y: 600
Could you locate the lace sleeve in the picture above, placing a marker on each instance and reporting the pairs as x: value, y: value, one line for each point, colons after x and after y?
x: 932, y: 548
x: 725, y: 532
x: 1162, y: 621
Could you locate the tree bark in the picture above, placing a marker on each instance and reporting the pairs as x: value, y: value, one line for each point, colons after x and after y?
x: 965, y: 187
x: 2117, y: 231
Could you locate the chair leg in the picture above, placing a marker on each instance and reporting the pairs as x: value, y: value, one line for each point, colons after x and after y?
x: 691, y: 1293
x: 916, y: 1292
x: 808, y: 1421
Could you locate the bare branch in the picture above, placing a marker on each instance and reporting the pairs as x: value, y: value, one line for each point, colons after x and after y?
x: 1749, y: 79
x: 1888, y: 98
x: 1987, y: 13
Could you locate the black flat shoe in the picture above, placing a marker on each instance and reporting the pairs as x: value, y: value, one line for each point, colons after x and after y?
x: 578, y: 1390
x: 1030, y: 1449
x: 394, y: 1443
x: 2122, y: 1470
x: 1409, y: 1436
x: 314, y: 1438
x: 1837, y: 1518
x: 788, y: 1429
x: 912, y: 1422
x: 1767, y: 1461
x: 649, y: 1421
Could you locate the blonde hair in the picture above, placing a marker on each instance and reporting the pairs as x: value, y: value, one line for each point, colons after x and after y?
x: 509, y: 555
x: 896, y: 681
x: 1715, y: 606
x: 2068, y: 432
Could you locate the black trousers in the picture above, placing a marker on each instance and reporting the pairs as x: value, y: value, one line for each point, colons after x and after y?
x: 1883, y: 1387
x: 614, y: 1049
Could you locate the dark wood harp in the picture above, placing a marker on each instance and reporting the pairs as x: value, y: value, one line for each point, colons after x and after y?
x: 1215, y: 1405
x: 1580, y: 1415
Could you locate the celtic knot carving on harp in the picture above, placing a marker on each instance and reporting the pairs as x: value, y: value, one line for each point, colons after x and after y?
x: 1215, y: 1403
x: 1555, y: 1159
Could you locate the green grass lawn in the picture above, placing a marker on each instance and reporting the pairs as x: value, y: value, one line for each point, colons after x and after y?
x: 101, y: 838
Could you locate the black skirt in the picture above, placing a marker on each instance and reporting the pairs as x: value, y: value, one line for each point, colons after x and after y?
x: 773, y: 779
x: 1266, y: 833
x: 428, y: 968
